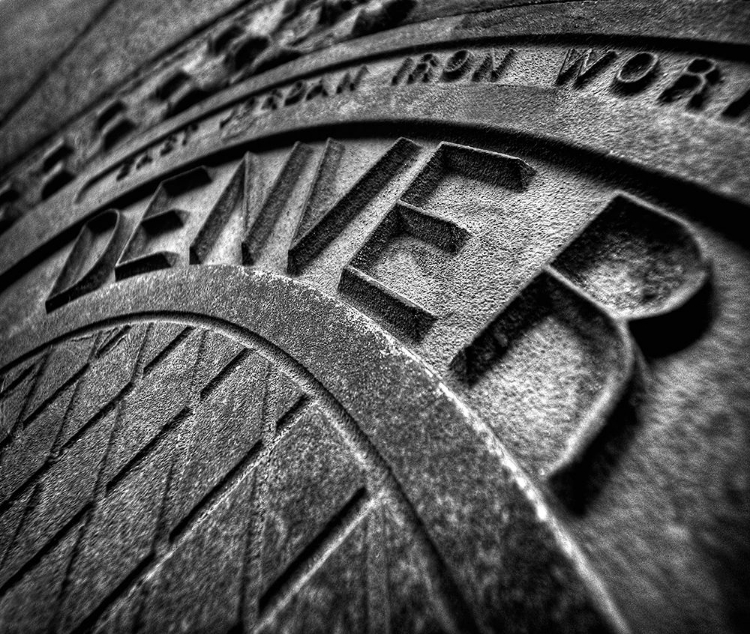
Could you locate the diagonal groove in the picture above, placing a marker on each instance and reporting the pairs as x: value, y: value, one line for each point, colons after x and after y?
x: 47, y: 401
x: 223, y: 374
x: 130, y: 580
x: 149, y: 367
x: 156, y: 442
x: 296, y: 574
x: 104, y: 411
x: 247, y: 463
x: 24, y: 373
x: 30, y: 563
x: 288, y: 418
x: 154, y: 560
x: 21, y: 489
x: 99, y: 492
x: 25, y: 514
x: 40, y: 369
x: 113, y: 341
x: 337, y: 528
x: 100, y: 488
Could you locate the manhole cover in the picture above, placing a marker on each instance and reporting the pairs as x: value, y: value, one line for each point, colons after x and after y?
x: 378, y: 316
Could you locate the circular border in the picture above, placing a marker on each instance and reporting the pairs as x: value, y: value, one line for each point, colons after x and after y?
x: 514, y: 563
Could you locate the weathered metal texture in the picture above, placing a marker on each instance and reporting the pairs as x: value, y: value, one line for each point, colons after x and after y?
x: 387, y: 316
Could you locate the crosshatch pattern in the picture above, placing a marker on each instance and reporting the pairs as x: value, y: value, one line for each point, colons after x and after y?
x: 174, y: 448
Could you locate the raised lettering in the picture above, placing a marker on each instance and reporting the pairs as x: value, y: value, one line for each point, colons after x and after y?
x: 637, y: 72
x: 423, y: 71
x: 493, y: 65
x: 113, y: 124
x: 159, y: 218
x: 91, y: 260
x: 738, y: 106
x: 351, y: 82
x: 296, y: 93
x: 693, y: 83
x: 405, y: 316
x: 57, y: 174
x: 273, y: 100
x: 581, y: 67
x: 403, y: 71
x: 458, y: 64
x: 260, y: 227
x: 307, y: 246
x: 243, y: 189
x: 317, y: 89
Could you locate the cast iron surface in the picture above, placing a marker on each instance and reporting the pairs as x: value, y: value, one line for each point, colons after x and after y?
x: 354, y: 316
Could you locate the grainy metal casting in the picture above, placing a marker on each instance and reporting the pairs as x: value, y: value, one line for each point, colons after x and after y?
x: 375, y: 316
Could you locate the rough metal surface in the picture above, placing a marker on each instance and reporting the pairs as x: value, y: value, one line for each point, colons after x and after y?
x: 375, y: 316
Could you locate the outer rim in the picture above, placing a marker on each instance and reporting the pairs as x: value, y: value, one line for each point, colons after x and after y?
x: 397, y: 402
